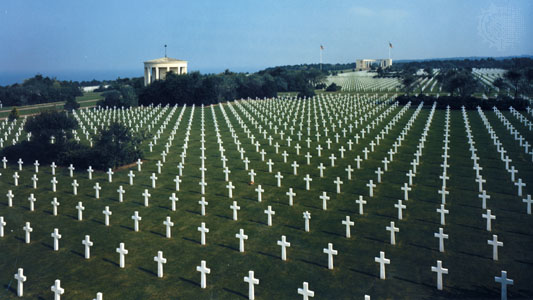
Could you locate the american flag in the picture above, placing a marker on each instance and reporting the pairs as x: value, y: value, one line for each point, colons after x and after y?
x: 321, y: 47
x: 390, y: 45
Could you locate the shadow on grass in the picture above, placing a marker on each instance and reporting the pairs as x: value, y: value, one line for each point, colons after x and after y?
x: 158, y: 233
x: 111, y: 262
x: 235, y: 293
x: 10, y: 288
x: 78, y: 253
x: 190, y: 281
x: 127, y: 227
x: 228, y: 247
x: 224, y: 217
x: 364, y: 273
x: 257, y: 222
x: 313, y: 263
x: 48, y: 246
x: 193, y: 212
x: 147, y: 271
x: 267, y: 254
x: 333, y: 233
x: 191, y: 240
x: 294, y: 227
x: 423, y: 247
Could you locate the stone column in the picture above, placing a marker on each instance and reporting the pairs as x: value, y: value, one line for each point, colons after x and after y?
x: 156, y: 73
x: 149, y: 74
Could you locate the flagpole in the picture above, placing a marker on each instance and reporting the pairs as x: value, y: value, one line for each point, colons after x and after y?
x: 321, y: 58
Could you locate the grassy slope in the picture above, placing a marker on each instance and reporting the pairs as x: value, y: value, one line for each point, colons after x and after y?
x: 468, y: 257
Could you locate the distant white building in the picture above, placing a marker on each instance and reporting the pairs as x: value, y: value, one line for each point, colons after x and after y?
x: 88, y: 89
x: 365, y: 64
x: 158, y: 68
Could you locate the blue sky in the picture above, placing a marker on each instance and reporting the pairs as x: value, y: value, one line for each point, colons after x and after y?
x: 115, y: 37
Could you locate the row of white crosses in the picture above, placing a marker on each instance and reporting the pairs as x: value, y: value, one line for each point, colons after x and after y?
x: 528, y: 149
x: 494, y: 243
x: 15, y: 126
x: 518, y: 182
x: 86, y: 242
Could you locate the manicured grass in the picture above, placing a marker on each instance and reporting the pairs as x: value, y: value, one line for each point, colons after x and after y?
x: 409, y: 276
x: 87, y: 100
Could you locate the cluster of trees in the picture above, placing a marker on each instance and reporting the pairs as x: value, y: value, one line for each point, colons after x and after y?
x: 459, y: 82
x: 39, y: 89
x: 445, y: 64
x: 520, y: 80
x: 114, y: 146
x: 195, y: 88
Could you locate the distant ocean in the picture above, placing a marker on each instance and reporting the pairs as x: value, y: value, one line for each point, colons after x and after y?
x: 8, y: 78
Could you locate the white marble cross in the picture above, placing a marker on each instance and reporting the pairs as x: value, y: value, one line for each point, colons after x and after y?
x: 97, y: 189
x: 88, y: 244
x: 57, y: 290
x: 406, y: 189
x: 251, y: 282
x: 325, y: 198
x: 56, y: 236
x: 330, y: 252
x: 321, y: 167
x: 400, y: 206
x: 146, y: 196
x: 443, y: 211
x: 90, y: 172
x: 392, y: 229
x: 439, y: 270
x: 122, y: 254
x: 305, y: 291
x: 2, y: 225
x: 291, y: 195
x: 71, y: 170
x: 136, y: 218
x: 235, y: 208
x: 32, y: 200
x: 284, y: 244
x: 177, y: 180
x: 27, y: 228
x: 131, y: 176
x: 203, y: 230
x: 382, y: 261
x: 110, y: 175
x: 54, y: 183
x: 154, y: 179
x: 528, y: 202
x: 307, y: 180
x: 348, y: 225
x: 20, y: 281
x: 75, y: 187
x: 504, y: 281
x: 203, y: 269
x: 489, y: 216
x: 338, y: 182
x: 361, y: 202
x: 34, y: 179
x: 203, y: 203
x: 241, y: 236
x: 160, y: 261
x: 307, y: 217
x: 495, y: 244
x: 441, y: 236
x: 279, y: 177
x: 55, y: 204
x: 230, y: 188
x: 107, y: 213
x: 371, y: 187
x: 259, y: 191
x: 270, y: 213
x: 173, y: 200
x: 168, y: 224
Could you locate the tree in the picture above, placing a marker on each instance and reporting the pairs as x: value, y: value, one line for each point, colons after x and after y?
x: 407, y: 80
x: 14, y: 114
x: 51, y: 123
x: 333, y: 87
x: 121, y: 96
x: 429, y: 71
x: 71, y: 104
x: 514, y: 78
x: 499, y: 83
x: 117, y: 146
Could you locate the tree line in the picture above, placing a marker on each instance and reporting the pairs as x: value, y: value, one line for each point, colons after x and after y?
x: 39, y: 89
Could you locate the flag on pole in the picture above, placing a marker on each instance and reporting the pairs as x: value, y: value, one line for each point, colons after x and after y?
x: 321, y: 47
x: 390, y: 45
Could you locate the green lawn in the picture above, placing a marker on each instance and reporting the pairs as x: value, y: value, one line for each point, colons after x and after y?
x: 87, y: 100
x: 467, y: 256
